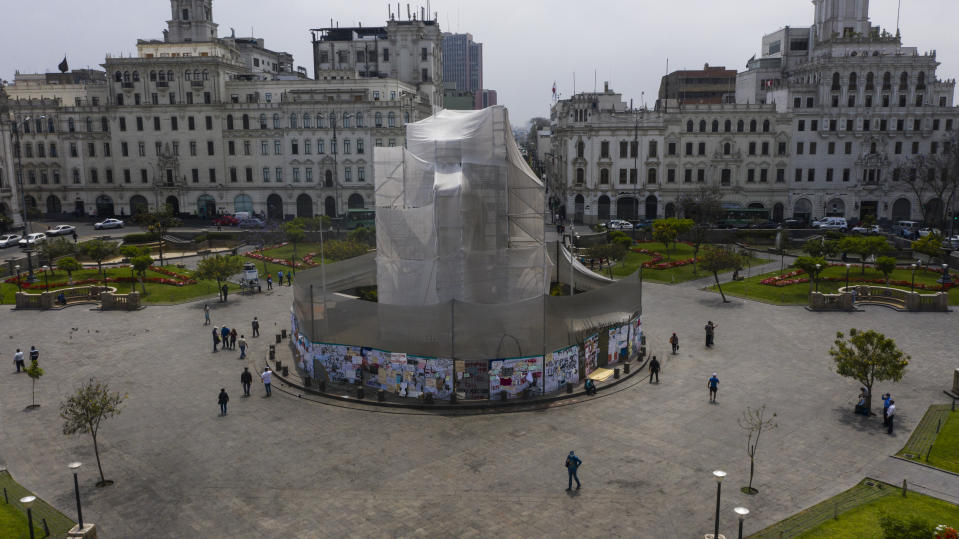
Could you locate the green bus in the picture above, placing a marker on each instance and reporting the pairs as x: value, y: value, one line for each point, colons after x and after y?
x: 359, y: 217
x: 742, y: 217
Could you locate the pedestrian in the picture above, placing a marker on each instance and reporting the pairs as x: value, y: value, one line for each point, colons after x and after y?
x: 34, y: 354
x: 18, y: 360
x: 206, y: 314
x: 572, y: 464
x: 289, y: 278
x: 242, y: 347
x: 222, y: 399
x: 267, y: 377
x: 75, y: 236
x: 590, y: 386
x: 256, y: 327
x: 713, y: 385
x: 861, y: 406
x: 216, y: 338
x: 225, y: 335
x: 886, y: 399
x: 653, y: 370
x: 225, y: 290
x: 246, y: 379
x: 279, y: 277
x: 233, y: 339
x: 269, y: 282
x: 890, y: 415
x: 674, y: 340
x: 710, y: 333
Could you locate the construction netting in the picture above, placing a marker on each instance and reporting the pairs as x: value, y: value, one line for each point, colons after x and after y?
x: 459, y: 214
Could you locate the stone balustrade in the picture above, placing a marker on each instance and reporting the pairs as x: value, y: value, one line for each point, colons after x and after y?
x: 893, y: 297
x: 106, y: 296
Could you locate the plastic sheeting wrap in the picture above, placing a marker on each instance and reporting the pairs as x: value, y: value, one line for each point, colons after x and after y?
x: 459, y: 214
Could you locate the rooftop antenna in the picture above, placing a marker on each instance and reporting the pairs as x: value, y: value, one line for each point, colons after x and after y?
x: 408, y: 15
x: 666, y: 97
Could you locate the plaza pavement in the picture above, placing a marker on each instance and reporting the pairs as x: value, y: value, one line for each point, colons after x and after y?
x: 287, y: 467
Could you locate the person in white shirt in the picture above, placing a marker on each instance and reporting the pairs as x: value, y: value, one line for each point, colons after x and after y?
x: 890, y: 414
x: 267, y: 377
x: 18, y: 360
x: 529, y: 380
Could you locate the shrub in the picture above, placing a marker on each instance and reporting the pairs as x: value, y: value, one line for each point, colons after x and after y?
x: 624, y: 241
x: 341, y: 250
x: 911, y: 527
x: 138, y: 238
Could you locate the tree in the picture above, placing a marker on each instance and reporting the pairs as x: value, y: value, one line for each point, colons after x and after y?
x: 34, y: 372
x: 887, y: 265
x: 867, y: 357
x: 821, y: 247
x: 86, y: 409
x: 99, y: 250
x: 69, y: 265
x: 140, y: 265
x: 865, y: 247
x: 52, y: 249
x: 811, y: 265
x: 929, y: 245
x: 704, y: 207
x: 294, y: 234
x: 158, y: 223
x: 667, y: 230
x: 717, y: 259
x: 363, y: 235
x: 754, y: 422
x: 130, y: 252
x: 219, y: 268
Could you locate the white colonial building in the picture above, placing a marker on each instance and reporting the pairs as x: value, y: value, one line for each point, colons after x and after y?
x: 207, y: 125
x: 838, y: 106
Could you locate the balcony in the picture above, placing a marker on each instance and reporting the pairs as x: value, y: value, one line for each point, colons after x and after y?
x: 127, y: 85
x: 196, y: 83
x: 163, y: 84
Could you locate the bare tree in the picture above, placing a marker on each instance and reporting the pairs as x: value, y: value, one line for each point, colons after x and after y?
x: 754, y: 422
x: 933, y: 177
x: 704, y: 206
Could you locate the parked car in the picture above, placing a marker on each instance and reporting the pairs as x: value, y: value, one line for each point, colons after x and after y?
x: 108, y: 223
x: 9, y: 240
x: 795, y: 223
x: 951, y: 243
x: 32, y: 239
x: 61, y: 230
x: 252, y: 222
x: 763, y: 224
x: 619, y: 224
x: 869, y: 230
x: 832, y: 223
x: 644, y: 223
x: 226, y: 220
x: 923, y: 232
x: 906, y: 229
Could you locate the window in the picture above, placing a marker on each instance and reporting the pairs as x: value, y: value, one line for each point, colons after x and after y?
x: 751, y: 175
x: 94, y: 177
x: 828, y: 174
x: 702, y: 126
x: 799, y: 148
x: 798, y: 174
x: 715, y: 126
x: 812, y: 148
x: 580, y: 176
x: 359, y: 146
x: 810, y: 102
x: 634, y: 148
x: 727, y: 148
x: 391, y: 119
x: 848, y: 148
x: 752, y: 126
x: 91, y: 150
x: 124, y: 149
x: 689, y: 126
x: 898, y: 149
x: 781, y: 148
x: 765, y: 148
x: 934, y: 148
x: 766, y: 126
x: 276, y: 121
x: 73, y: 149
x: 917, y: 125
x: 391, y: 142
x: 689, y: 148
x: 935, y: 124
x: 279, y: 175
x: 883, y: 125
x: 797, y: 102
x: 309, y: 174
x: 850, y: 125
x: 143, y: 175
x: 752, y: 148
x: 801, y: 125
x: 231, y: 147
x: 702, y: 148
x: 604, y: 176
x: 212, y: 174
x: 604, y: 149
x: 814, y: 125
x: 76, y: 176
x: 671, y: 148
x: 651, y: 176
x: 361, y: 174
x: 688, y: 175
x: 53, y: 149
x: 623, y: 149
x: 780, y: 175
x: 266, y: 174
x: 156, y: 123
x: 294, y: 147
x: 378, y: 120
x: 192, y: 148
x: 866, y: 124
x: 319, y: 147
x: 277, y: 148
x: 701, y: 175
x: 811, y: 175
x: 347, y: 174
x: 653, y: 148
x: 740, y: 126
x: 845, y: 174
x: 296, y: 175
x: 246, y: 147
x: 209, y: 147
x: 347, y: 147
x: 725, y: 177
x: 915, y: 148
x: 292, y: 121
x: 831, y: 148
x: 232, y: 174
x: 359, y: 119
x: 727, y: 126
x: 633, y: 176
x: 307, y: 147
x: 671, y: 175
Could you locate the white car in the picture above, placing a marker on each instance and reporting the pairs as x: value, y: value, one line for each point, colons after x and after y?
x: 9, y: 240
x: 108, y: 223
x: 61, y: 230
x: 923, y: 232
x: 33, y: 239
x: 952, y: 243
x: 870, y: 230
x: 619, y: 224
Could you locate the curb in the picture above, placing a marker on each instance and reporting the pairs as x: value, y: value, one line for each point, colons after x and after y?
x: 928, y: 466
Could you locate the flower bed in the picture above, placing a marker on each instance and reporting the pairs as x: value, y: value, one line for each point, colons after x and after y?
x: 657, y: 262
x: 257, y: 254
x: 175, y: 280
x: 790, y: 279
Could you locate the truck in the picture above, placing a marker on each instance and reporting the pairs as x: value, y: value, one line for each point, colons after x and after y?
x: 250, y: 279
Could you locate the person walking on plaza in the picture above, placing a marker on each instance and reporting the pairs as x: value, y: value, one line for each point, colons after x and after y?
x: 710, y: 333
x: 890, y: 415
x: 206, y: 314
x: 674, y: 341
x: 886, y: 399
x: 279, y: 277
x: 246, y: 379
x: 18, y: 360
x: 653, y: 370
x: 572, y: 464
x: 256, y: 327
x: 225, y: 335
x: 242, y: 347
x: 222, y: 399
x: 216, y: 337
x: 269, y: 282
x: 267, y: 377
x: 713, y: 385
x: 233, y: 339
x: 34, y: 354
x: 225, y: 290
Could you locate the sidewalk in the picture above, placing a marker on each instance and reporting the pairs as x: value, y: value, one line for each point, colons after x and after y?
x: 919, y: 478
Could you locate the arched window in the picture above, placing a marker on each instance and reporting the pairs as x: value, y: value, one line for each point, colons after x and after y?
x: 186, y: 75
x: 307, y: 121
x: 126, y: 76
x: 246, y: 121
x: 835, y: 81
x: 153, y: 76
x: 728, y: 126
x: 739, y: 126
x: 118, y: 77
x: 206, y: 75
x: 169, y: 76
x: 71, y: 125
x: 89, y: 123
x: 886, y: 80
x: 853, y: 81
x: 332, y: 119
x: 136, y: 76
x: 391, y: 119
x: 347, y: 120
x: 904, y: 81
x: 580, y: 149
x: 359, y: 119
x: 689, y: 126
x: 727, y: 148
x: 104, y: 124
x: 162, y: 76
x: 715, y: 126
x: 229, y: 121
x: 196, y: 74
x: 319, y: 121
x: 702, y: 126
x: 870, y: 81
x: 262, y: 121
x: 752, y: 126
x: 276, y: 121
x: 378, y: 119
x: 292, y: 121
x: 765, y: 126
x: 921, y: 83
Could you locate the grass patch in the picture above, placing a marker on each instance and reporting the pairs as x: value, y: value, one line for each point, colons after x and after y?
x: 798, y: 294
x: 13, y: 517
x: 680, y: 251
x: 858, y: 512
x: 945, y: 444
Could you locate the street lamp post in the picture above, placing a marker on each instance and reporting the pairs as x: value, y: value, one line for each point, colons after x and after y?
x: 46, y: 277
x: 27, y: 501
x: 718, y: 475
x: 742, y: 512
x: 847, y: 276
x: 913, y: 287
x: 76, y: 489
x: 19, y: 284
x: 818, y: 269
x: 945, y: 279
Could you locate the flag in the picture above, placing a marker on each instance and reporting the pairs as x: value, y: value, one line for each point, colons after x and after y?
x: 63, y: 67
x: 554, y: 88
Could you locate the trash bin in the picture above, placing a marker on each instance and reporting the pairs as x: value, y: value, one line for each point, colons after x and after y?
x: 307, y: 381
x: 278, y: 338
x: 569, y: 387
x: 321, y: 386
x: 359, y: 392
x: 286, y: 371
x: 279, y: 365
x: 625, y: 368
x: 381, y: 395
x: 283, y: 333
x: 503, y: 395
x: 616, y: 373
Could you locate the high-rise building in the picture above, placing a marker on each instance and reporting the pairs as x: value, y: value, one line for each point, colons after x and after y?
x: 463, y: 68
x: 709, y: 85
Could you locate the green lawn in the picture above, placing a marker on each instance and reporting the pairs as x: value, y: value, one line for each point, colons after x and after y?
x: 285, y: 252
x: 680, y: 251
x: 13, y: 518
x: 798, y: 294
x: 13, y: 523
x: 858, y: 513
x: 156, y: 292
x: 945, y: 444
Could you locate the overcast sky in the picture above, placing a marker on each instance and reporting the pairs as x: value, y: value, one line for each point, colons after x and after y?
x: 527, y: 44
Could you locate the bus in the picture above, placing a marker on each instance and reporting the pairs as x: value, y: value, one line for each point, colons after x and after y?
x: 359, y: 217
x: 742, y: 217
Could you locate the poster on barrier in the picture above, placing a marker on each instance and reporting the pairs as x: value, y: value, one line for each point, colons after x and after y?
x: 635, y: 336
x: 591, y: 355
x: 473, y: 380
x: 438, y: 378
x: 562, y: 366
x: 618, y: 341
x: 334, y: 360
x: 374, y: 360
x: 510, y: 375
x: 391, y: 372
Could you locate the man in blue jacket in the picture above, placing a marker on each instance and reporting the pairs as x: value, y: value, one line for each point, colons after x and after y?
x: 572, y: 464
